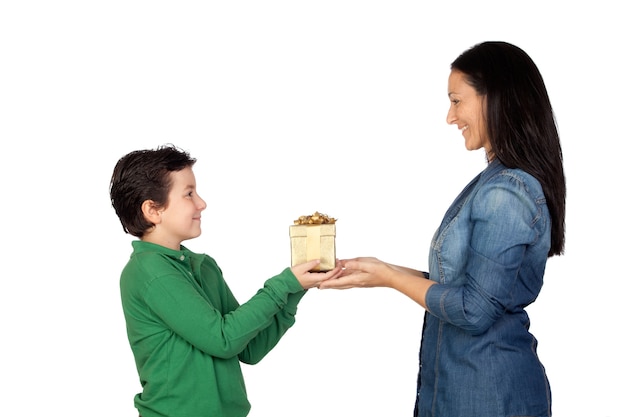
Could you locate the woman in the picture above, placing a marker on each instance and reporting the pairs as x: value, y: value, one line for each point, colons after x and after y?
x: 488, y: 256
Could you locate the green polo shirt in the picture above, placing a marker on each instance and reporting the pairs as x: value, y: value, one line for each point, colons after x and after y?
x: 188, y: 333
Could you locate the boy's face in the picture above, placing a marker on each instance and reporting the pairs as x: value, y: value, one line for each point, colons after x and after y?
x: 181, y: 219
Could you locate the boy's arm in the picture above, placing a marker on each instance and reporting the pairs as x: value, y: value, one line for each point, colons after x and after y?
x: 184, y: 310
x: 269, y: 337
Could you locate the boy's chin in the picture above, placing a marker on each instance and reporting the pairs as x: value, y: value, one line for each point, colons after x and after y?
x: 194, y: 235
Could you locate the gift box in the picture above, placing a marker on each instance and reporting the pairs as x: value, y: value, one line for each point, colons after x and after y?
x: 313, y: 237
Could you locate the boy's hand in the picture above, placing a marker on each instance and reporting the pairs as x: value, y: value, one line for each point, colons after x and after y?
x: 310, y: 279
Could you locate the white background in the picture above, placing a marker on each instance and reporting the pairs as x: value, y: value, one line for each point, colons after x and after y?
x: 290, y: 107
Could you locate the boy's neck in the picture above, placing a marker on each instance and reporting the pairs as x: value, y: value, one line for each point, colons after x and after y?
x: 153, y: 237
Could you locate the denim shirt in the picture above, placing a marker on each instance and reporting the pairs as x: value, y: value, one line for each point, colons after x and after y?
x: 478, y: 358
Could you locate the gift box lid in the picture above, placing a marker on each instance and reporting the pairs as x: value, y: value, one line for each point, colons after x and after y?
x: 301, y: 230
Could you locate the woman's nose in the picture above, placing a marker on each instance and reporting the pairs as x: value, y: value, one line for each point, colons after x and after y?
x: 451, y: 117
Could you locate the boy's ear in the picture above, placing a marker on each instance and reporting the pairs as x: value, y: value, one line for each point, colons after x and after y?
x: 151, y: 212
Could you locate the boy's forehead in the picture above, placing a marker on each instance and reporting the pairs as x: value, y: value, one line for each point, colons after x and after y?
x: 184, y: 178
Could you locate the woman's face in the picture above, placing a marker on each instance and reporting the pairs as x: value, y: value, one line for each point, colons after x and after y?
x: 467, y: 110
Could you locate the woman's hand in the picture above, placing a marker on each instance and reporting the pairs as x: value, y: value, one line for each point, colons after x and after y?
x: 364, y: 272
x: 311, y: 279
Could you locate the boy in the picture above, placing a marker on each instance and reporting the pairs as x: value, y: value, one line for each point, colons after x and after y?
x: 187, y: 331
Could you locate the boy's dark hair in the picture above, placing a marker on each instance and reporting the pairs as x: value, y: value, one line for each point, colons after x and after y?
x: 144, y: 175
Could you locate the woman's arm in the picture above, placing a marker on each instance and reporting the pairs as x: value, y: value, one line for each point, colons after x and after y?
x: 371, y: 272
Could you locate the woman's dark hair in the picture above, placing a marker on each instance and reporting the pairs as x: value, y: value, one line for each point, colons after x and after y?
x: 144, y: 175
x: 520, y: 122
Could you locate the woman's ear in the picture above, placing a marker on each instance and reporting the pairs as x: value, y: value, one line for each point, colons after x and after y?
x: 151, y: 212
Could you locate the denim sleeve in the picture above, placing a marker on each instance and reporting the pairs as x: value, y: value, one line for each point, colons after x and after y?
x: 503, y: 215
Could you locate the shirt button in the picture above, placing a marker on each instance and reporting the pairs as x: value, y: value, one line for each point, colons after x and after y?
x: 182, y: 257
